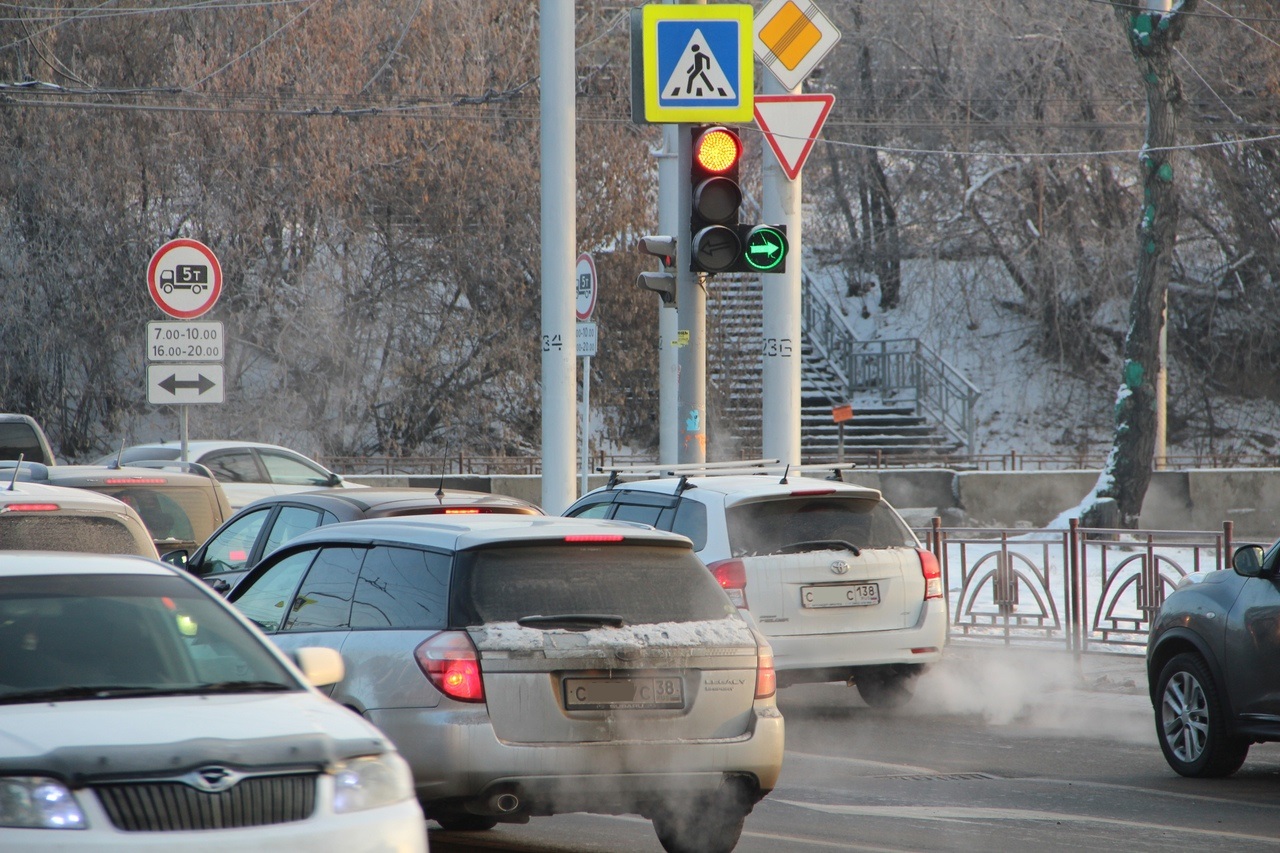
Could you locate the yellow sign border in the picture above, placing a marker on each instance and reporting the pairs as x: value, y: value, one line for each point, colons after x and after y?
x: 739, y: 13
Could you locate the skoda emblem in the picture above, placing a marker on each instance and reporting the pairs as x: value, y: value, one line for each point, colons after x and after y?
x: 840, y: 567
x: 213, y: 779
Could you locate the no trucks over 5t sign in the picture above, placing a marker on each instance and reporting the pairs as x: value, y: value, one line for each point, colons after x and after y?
x: 184, y: 278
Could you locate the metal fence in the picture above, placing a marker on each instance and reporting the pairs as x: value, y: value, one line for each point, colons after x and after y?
x: 1080, y: 589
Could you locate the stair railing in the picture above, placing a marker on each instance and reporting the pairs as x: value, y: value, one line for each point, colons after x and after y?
x: 899, y: 370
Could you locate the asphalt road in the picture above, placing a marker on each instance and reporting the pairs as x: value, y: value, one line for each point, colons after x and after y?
x: 998, y: 751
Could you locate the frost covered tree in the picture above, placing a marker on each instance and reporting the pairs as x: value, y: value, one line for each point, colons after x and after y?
x: 1152, y: 33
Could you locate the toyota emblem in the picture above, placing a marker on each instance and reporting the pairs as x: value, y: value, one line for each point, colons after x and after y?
x: 840, y: 567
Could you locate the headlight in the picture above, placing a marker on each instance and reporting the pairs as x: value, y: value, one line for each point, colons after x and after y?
x: 370, y: 782
x: 35, y: 802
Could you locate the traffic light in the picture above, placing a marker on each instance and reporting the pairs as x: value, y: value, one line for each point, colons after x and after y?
x: 662, y: 283
x: 715, y: 198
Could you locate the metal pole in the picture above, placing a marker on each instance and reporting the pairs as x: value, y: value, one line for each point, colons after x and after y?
x: 184, y: 431
x: 669, y: 185
x: 780, y: 304
x: 559, y: 258
x: 586, y: 422
x: 691, y: 303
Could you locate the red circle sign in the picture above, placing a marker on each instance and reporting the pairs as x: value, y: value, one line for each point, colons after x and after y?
x: 585, y: 287
x: 185, y: 279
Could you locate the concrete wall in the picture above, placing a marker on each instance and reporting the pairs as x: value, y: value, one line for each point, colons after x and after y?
x: 1176, y: 500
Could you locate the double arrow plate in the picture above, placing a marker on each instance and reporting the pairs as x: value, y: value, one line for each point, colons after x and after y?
x: 184, y: 383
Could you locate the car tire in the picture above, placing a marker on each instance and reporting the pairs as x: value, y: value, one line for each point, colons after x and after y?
x: 463, y: 822
x: 1191, y: 721
x: 885, y: 687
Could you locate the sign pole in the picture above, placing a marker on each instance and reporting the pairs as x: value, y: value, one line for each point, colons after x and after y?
x: 185, y: 430
x: 586, y: 418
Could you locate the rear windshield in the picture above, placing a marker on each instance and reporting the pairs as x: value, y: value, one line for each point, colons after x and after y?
x: 763, y: 527
x: 19, y: 439
x: 184, y: 514
x: 641, y: 583
x: 83, y: 533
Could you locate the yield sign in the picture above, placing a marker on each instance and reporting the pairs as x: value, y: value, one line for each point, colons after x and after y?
x: 798, y: 118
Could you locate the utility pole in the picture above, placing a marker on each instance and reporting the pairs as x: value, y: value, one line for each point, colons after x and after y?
x: 559, y: 255
x: 691, y: 303
x: 669, y: 184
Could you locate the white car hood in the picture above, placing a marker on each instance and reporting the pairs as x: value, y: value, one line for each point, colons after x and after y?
x: 140, y: 735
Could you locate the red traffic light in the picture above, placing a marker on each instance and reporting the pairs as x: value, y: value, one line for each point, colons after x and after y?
x: 717, y: 150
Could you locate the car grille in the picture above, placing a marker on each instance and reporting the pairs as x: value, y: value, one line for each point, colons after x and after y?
x: 171, y: 805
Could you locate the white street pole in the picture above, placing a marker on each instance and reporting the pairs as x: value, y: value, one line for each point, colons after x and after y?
x: 669, y: 184
x: 586, y: 421
x: 559, y: 254
x: 780, y: 304
x: 691, y: 303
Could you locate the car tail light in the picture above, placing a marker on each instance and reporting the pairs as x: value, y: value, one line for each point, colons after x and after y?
x: 32, y: 508
x: 450, y: 661
x: 593, y: 537
x: 808, y: 493
x: 766, y: 675
x: 135, y: 481
x: 732, y: 577
x: 462, y: 512
x: 932, y: 574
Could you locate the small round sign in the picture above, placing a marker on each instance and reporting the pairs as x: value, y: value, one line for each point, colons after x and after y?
x: 184, y: 278
x: 585, y: 288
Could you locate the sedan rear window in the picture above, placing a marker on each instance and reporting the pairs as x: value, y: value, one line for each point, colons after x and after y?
x: 47, y: 531
x: 764, y: 527
x: 641, y: 583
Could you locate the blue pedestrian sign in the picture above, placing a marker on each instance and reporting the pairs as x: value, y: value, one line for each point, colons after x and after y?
x: 698, y: 63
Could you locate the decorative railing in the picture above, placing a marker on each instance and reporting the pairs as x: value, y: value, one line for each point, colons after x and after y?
x: 1084, y: 590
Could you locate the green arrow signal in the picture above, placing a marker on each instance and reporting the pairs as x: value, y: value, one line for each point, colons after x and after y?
x: 766, y: 248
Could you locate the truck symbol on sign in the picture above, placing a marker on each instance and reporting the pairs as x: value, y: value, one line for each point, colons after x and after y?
x: 193, y: 277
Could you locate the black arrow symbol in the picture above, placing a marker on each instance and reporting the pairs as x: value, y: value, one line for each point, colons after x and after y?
x: 173, y: 383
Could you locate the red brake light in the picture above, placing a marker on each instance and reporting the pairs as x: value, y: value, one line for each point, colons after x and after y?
x: 239, y: 555
x: 806, y: 493
x: 766, y: 675
x: 450, y: 661
x: 462, y: 512
x: 135, y: 481
x: 732, y: 577
x: 932, y: 574
x: 32, y: 508
x: 594, y: 537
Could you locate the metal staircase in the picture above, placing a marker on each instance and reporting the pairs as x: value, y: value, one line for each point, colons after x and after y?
x: 906, y: 400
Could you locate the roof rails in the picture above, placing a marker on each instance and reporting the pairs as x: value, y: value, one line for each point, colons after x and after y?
x: 711, y: 469
x: 189, y: 467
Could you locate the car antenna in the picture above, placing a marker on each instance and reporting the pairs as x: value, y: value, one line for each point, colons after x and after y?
x: 440, y: 488
x: 613, y: 479
x: 683, y: 484
x: 119, y: 456
x: 785, y: 471
x: 16, y: 468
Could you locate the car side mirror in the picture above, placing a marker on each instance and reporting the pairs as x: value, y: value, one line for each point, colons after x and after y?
x: 1248, y: 561
x: 176, y: 558
x: 321, y: 665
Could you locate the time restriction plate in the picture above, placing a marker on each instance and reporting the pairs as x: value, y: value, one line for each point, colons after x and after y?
x: 185, y: 342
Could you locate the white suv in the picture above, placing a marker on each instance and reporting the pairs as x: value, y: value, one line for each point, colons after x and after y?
x: 830, y: 573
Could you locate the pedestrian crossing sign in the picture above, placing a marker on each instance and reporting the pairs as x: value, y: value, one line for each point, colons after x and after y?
x: 698, y: 63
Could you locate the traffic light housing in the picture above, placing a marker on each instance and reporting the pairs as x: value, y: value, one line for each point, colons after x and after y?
x: 662, y: 283
x: 715, y: 198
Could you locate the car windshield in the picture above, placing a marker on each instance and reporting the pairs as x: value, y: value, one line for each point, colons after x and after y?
x: 181, y: 514
x: 100, y: 636
x: 766, y: 527
x: 89, y: 534
x: 642, y: 584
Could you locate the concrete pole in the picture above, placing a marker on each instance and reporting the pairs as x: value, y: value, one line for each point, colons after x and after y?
x: 691, y: 302
x: 669, y: 184
x: 780, y: 304
x: 559, y: 255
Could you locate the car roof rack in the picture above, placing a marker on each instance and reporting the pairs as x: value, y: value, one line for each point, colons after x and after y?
x: 188, y: 467
x: 774, y: 467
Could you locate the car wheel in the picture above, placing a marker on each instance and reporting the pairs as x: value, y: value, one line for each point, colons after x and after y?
x: 704, y: 825
x: 885, y: 687
x: 465, y: 822
x: 1191, y: 721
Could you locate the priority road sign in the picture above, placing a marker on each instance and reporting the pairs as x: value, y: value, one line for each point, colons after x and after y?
x: 184, y: 278
x: 184, y: 383
x: 791, y: 38
x: 697, y: 63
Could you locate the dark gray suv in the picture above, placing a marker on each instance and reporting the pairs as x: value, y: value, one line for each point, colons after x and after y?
x: 1212, y: 665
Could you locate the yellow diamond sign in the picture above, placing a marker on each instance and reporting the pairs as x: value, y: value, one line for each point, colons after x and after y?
x: 792, y: 37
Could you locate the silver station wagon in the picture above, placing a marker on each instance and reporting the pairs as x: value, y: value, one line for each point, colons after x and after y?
x: 528, y: 666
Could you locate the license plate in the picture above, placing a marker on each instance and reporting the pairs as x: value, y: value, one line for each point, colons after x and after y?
x: 603, y: 694
x: 840, y: 595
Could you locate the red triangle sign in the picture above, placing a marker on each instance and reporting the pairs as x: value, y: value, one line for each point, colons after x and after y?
x: 790, y: 124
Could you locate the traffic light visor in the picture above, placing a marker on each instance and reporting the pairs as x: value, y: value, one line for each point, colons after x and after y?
x: 717, y: 150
